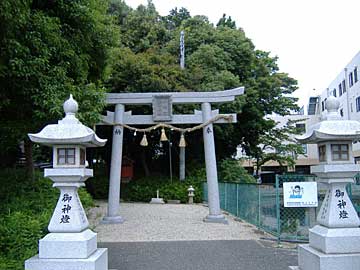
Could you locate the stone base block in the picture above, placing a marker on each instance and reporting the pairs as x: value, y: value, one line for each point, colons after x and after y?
x: 112, y: 220
x: 97, y: 261
x: 157, y: 201
x: 313, y: 259
x: 216, y: 219
x: 173, y: 201
x: 68, y: 245
x: 335, y: 240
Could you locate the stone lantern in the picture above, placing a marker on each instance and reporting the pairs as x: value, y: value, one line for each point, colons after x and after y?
x: 70, y: 244
x: 335, y: 242
x: 191, y: 194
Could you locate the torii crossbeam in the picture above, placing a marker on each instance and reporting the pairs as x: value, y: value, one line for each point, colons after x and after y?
x: 162, y: 111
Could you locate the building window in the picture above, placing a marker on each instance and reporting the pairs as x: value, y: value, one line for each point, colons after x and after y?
x: 341, y: 112
x: 66, y: 156
x: 344, y: 86
x: 340, y: 90
x: 339, y: 152
x: 351, y: 79
x: 322, y: 105
x: 304, y: 147
x: 334, y: 92
x: 358, y: 104
x: 355, y: 75
x: 322, y: 153
x: 300, y: 127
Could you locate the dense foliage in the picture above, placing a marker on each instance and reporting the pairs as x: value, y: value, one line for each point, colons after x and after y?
x: 142, y: 190
x: 230, y: 170
x: 53, y: 48
x: 49, y: 49
x: 25, y: 211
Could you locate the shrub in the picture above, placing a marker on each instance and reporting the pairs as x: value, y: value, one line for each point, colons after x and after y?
x: 142, y: 190
x: 230, y: 170
x: 26, y: 207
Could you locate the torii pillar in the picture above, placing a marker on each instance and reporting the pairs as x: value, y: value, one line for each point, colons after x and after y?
x: 162, y: 112
x: 211, y: 169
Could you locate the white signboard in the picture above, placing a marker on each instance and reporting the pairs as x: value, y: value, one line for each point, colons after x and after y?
x: 300, y: 194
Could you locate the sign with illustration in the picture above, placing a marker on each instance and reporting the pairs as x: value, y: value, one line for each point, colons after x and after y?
x: 300, y: 194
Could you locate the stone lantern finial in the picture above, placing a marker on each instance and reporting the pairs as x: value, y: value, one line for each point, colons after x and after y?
x: 332, y: 106
x: 70, y: 106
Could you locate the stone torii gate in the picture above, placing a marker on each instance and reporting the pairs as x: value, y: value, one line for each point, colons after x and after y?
x: 162, y: 112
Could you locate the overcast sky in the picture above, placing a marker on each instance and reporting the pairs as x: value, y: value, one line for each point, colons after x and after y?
x: 314, y: 39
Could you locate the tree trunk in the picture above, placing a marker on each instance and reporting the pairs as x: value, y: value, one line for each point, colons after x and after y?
x: 29, y: 159
x: 144, y: 164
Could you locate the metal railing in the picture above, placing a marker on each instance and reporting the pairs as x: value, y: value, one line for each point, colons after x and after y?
x: 262, y: 205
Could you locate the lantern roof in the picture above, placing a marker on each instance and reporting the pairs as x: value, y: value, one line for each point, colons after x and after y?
x: 69, y: 130
x: 333, y: 127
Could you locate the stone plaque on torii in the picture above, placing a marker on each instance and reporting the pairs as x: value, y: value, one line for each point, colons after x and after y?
x: 162, y: 102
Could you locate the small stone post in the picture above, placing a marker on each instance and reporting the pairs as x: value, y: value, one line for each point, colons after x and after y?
x: 215, y: 214
x: 157, y: 200
x: 191, y: 194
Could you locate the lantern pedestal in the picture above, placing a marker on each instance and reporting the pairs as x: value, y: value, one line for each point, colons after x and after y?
x: 69, y: 215
x: 96, y: 261
x: 59, y: 251
x: 70, y: 244
x: 335, y: 242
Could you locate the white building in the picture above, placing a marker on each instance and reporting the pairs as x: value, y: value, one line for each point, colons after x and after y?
x: 303, y: 162
x: 346, y: 87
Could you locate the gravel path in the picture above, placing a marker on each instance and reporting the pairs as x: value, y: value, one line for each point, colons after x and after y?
x: 167, y: 222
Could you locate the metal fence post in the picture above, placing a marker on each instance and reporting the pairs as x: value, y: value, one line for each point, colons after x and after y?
x: 225, y: 203
x: 237, y: 200
x: 278, y: 220
x: 259, y: 205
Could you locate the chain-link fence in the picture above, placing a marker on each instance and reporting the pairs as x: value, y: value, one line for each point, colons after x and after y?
x: 263, y: 206
x: 293, y: 222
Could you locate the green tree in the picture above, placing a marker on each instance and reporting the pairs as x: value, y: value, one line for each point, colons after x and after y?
x: 227, y: 22
x: 176, y: 17
x: 278, y: 144
x: 49, y: 49
x: 141, y: 29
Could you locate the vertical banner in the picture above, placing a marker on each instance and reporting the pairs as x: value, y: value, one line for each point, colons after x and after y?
x: 182, y: 50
